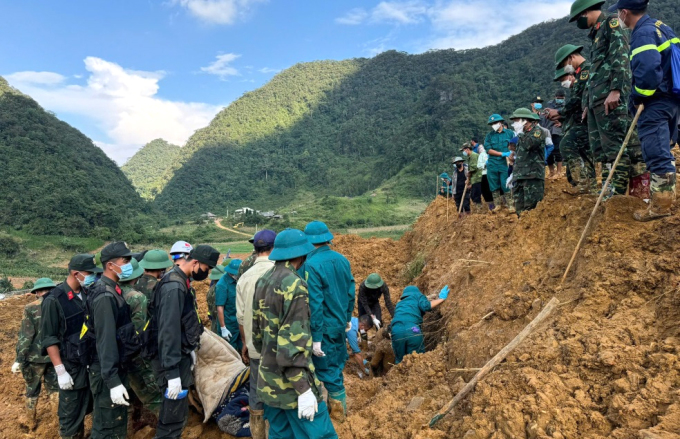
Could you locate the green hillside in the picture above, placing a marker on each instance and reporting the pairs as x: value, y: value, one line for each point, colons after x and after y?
x: 343, y: 128
x: 146, y: 168
x: 55, y: 181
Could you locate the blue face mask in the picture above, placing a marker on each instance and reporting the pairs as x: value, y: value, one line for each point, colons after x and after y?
x: 559, y: 101
x: 89, y: 279
x: 125, y: 271
x: 538, y: 106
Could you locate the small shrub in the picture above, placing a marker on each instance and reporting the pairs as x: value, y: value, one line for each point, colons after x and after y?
x: 28, y: 285
x: 9, y: 247
x: 6, y: 285
x: 414, y: 268
x: 72, y: 245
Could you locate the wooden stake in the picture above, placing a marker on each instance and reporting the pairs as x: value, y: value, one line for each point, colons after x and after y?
x: 602, y: 192
x: 462, y: 200
x: 495, y: 361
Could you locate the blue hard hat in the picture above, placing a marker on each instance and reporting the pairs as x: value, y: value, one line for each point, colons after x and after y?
x: 633, y: 5
x: 290, y: 244
x: 317, y: 232
x: 232, y: 268
x: 495, y: 118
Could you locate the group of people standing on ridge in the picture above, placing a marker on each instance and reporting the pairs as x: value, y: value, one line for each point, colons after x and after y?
x: 634, y: 60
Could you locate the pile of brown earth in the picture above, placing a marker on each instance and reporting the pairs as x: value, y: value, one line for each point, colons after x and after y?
x: 605, y: 365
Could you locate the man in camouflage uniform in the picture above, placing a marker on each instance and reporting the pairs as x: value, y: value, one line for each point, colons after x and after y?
x: 573, y: 71
x: 287, y: 383
x: 247, y: 262
x: 529, y: 171
x: 30, y: 361
x: 140, y: 375
x: 606, y: 94
x: 154, y: 263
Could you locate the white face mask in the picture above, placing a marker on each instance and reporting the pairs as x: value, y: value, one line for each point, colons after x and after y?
x: 569, y: 69
x: 518, y: 126
x: 566, y: 83
x: 496, y: 126
x: 621, y: 22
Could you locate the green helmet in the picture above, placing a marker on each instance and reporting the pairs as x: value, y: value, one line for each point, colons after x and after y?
x: 42, y: 284
x: 564, y: 52
x: 559, y: 73
x: 495, y: 118
x: 217, y: 272
x: 156, y: 260
x: 232, y: 268
x: 580, y: 6
x: 524, y: 113
x: 374, y: 281
x: 290, y: 244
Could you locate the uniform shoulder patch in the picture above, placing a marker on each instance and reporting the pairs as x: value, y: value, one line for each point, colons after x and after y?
x: 584, y: 75
x: 658, y: 23
x: 537, y: 133
x: 614, y: 23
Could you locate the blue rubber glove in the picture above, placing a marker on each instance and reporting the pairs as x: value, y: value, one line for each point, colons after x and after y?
x: 365, y: 362
x: 444, y: 293
x: 506, y: 154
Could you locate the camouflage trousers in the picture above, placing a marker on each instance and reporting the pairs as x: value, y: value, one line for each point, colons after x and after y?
x: 33, y: 374
x: 576, y: 153
x: 527, y: 194
x: 143, y: 383
x: 606, y: 133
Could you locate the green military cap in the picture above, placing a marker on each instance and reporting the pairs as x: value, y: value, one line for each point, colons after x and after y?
x: 137, y: 271
x: 42, y: 284
x: 374, y: 281
x: 559, y: 74
x: 115, y: 250
x: 580, y: 6
x: 156, y: 260
x: 564, y: 52
x: 232, y: 268
x: 84, y: 262
x: 525, y: 113
x: 217, y: 272
x: 205, y: 254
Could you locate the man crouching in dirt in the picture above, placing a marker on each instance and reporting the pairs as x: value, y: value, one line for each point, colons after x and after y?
x: 282, y: 335
x: 407, y: 337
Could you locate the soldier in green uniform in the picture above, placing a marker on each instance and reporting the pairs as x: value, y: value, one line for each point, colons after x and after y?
x: 174, y: 333
x: 529, y: 171
x: 154, y: 263
x: 142, y: 380
x: 496, y: 144
x: 62, y: 317
x: 607, y: 92
x: 248, y: 262
x: 215, y: 275
x: 287, y: 383
x: 30, y: 361
x: 116, y: 343
x: 474, y: 177
x: 573, y: 71
x: 225, y: 304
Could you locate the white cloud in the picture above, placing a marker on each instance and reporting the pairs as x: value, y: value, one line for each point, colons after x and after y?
x: 121, y: 103
x: 44, y: 78
x: 353, y: 17
x: 269, y: 70
x: 223, y: 12
x: 221, y: 67
x: 408, y: 12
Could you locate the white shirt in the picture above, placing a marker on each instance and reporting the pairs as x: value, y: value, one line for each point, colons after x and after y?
x: 245, y: 291
x: 481, y: 162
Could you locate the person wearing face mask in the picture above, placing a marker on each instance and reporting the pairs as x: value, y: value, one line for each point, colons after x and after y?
x: 173, y: 334
x: 529, y: 169
x: 474, y: 178
x: 573, y: 72
x: 607, y: 91
x: 287, y: 382
x: 62, y: 317
x: 555, y: 128
x: 652, y: 49
x: 116, y: 343
x: 496, y: 143
x: 154, y: 263
x: 459, y: 182
x: 30, y: 361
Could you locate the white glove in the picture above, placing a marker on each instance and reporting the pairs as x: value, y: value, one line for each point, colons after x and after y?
x: 225, y: 333
x: 174, y: 387
x: 193, y: 359
x: 349, y: 327
x: 361, y: 375
x: 65, y: 380
x: 376, y: 322
x: 119, y: 395
x: 316, y: 349
x: 307, y: 405
x: 16, y: 368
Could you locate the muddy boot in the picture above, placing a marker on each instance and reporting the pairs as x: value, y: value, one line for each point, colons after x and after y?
x: 31, y: 409
x: 257, y: 426
x: 511, y: 203
x: 79, y: 435
x: 497, y: 202
x: 663, y: 198
x: 337, y: 410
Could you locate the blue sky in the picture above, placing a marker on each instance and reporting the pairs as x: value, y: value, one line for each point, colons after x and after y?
x: 126, y: 72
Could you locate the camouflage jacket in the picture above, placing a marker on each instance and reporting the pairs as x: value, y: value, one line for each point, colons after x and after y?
x: 610, y: 63
x: 145, y: 285
x: 28, y: 344
x: 138, y: 306
x: 282, y: 335
x: 572, y: 111
x: 530, y: 161
x: 245, y: 265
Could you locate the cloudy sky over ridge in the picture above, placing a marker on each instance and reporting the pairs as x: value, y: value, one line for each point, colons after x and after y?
x: 130, y: 71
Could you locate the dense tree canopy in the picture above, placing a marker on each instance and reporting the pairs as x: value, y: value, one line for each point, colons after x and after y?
x: 146, y: 168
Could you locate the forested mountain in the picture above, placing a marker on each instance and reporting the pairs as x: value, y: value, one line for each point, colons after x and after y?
x: 146, y: 168
x: 54, y: 179
x: 343, y: 128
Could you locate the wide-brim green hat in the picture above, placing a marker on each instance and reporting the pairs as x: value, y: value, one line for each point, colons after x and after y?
x: 559, y: 74
x: 137, y: 271
x: 217, y: 273
x: 564, y: 52
x: 43, y: 283
x: 580, y: 6
x: 524, y: 113
x: 290, y: 244
x: 156, y: 260
x: 232, y: 268
x: 317, y: 232
x: 374, y: 281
